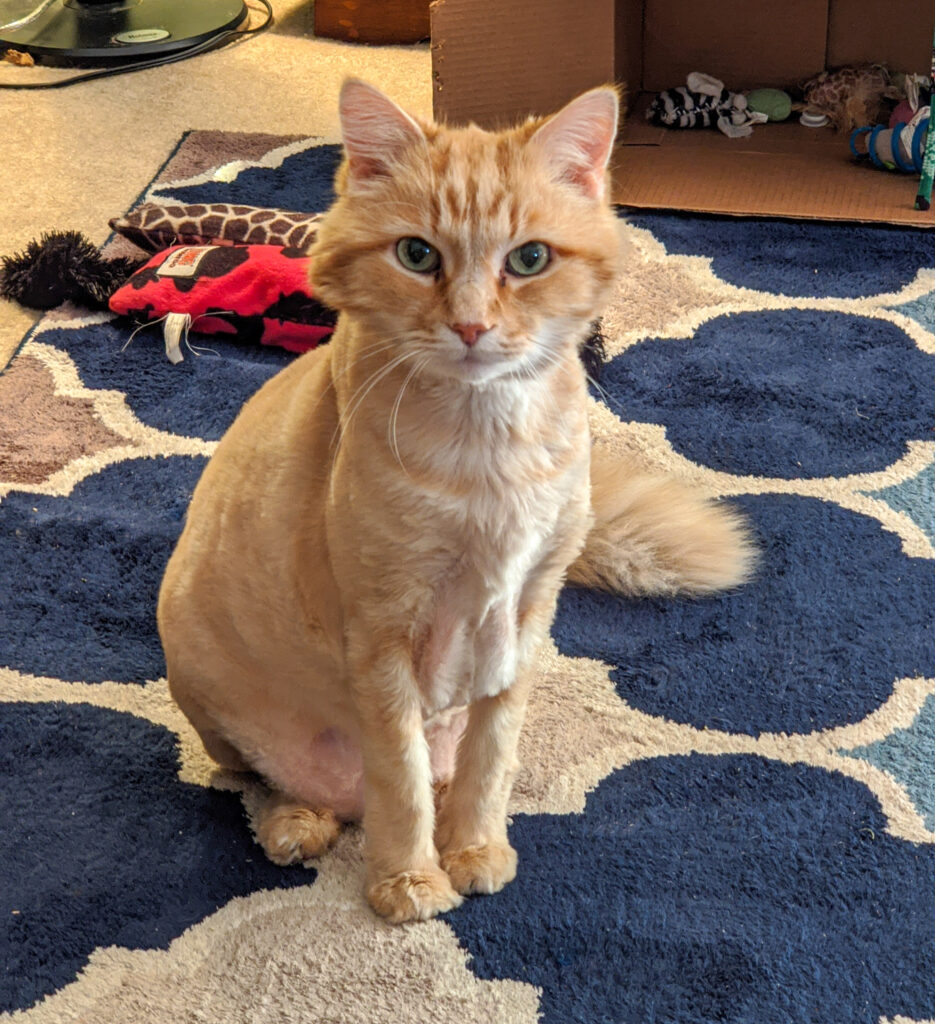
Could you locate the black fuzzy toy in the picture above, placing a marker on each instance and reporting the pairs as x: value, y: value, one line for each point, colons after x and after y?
x: 593, y: 353
x: 63, y: 265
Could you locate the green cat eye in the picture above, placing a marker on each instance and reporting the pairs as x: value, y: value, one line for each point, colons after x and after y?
x: 531, y: 258
x: 416, y: 254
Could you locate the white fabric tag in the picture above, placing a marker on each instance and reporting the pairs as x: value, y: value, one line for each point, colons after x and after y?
x: 175, y: 331
x: 183, y: 262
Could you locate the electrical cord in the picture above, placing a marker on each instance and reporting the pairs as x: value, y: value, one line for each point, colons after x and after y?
x: 28, y: 19
x: 227, y: 35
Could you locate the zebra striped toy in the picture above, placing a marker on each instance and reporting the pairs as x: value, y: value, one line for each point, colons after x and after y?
x: 704, y: 102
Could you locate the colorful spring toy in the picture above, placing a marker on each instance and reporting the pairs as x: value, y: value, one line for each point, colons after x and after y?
x: 899, y: 148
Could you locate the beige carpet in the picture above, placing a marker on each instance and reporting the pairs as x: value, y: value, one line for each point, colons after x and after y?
x: 78, y: 156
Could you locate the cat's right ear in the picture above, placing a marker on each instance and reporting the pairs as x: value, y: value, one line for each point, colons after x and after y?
x: 375, y: 131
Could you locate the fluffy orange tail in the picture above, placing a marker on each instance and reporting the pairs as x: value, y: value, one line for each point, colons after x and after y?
x: 655, y: 535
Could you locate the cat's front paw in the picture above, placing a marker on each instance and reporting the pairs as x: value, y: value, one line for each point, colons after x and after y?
x: 485, y: 867
x: 413, y: 895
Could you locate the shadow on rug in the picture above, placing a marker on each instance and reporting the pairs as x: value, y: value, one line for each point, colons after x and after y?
x: 726, y: 810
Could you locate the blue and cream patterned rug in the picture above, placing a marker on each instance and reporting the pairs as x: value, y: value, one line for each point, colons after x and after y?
x: 726, y: 810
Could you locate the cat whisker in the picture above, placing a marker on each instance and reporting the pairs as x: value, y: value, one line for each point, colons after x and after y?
x: 615, y: 405
x: 367, y: 352
x: 534, y: 372
x: 354, y: 404
x: 551, y: 360
x: 391, y: 426
x: 361, y: 394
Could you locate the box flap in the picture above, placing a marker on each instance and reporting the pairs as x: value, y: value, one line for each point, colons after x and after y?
x: 808, y: 181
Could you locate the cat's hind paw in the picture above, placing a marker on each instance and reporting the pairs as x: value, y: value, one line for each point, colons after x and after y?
x: 486, y: 867
x: 292, y: 833
x: 413, y: 895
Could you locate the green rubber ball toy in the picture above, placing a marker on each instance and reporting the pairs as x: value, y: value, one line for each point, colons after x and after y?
x: 776, y: 104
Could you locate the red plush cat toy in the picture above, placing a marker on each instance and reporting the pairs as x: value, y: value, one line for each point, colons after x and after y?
x: 260, y: 293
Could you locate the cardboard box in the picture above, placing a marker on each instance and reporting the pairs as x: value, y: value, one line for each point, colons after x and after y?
x: 495, y: 61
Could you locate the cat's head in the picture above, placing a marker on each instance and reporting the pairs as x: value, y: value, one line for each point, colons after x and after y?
x: 484, y: 254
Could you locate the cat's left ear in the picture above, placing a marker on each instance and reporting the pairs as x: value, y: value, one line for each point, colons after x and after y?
x: 577, y: 141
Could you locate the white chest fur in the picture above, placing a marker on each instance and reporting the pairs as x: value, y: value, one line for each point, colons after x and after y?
x: 489, y: 535
x: 471, y: 644
x: 472, y: 641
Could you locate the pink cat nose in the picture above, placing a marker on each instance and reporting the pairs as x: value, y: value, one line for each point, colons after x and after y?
x: 469, y: 332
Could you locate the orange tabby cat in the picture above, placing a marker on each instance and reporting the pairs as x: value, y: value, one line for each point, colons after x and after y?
x: 371, y: 559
